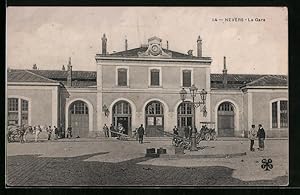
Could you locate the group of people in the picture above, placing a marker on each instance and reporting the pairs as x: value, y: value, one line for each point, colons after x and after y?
x: 187, y: 131
x: 260, y: 134
x: 52, y: 133
x: 110, y: 132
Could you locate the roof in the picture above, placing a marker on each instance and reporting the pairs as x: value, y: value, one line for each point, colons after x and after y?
x: 27, y: 76
x: 236, y: 81
x: 269, y: 80
x: 62, y: 75
x: 133, y: 53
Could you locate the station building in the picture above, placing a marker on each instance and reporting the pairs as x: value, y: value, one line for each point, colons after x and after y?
x: 141, y: 86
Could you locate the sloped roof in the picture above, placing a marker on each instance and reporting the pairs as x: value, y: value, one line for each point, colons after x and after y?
x: 62, y: 75
x: 133, y: 53
x: 269, y: 80
x: 79, y: 84
x: 27, y: 76
x: 236, y: 81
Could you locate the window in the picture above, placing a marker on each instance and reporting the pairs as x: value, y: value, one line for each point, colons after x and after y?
x: 154, y: 80
x: 184, y: 114
x: 186, y: 78
x: 279, y: 114
x: 17, y: 111
x: 283, y: 114
x: 122, y: 107
x: 154, y: 108
x: 79, y: 107
x: 226, y: 106
x: 274, y: 115
x: 122, y: 77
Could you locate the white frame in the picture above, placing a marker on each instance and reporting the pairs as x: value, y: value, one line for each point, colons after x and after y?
x: 116, y: 75
x: 278, y: 112
x: 149, y: 77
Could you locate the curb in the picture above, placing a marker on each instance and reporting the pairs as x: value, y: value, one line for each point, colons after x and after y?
x: 203, y: 155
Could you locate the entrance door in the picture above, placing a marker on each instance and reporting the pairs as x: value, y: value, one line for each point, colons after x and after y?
x: 122, y: 114
x: 79, y: 118
x: 154, y: 119
x: 226, y: 120
x: 184, y: 117
x: 124, y: 122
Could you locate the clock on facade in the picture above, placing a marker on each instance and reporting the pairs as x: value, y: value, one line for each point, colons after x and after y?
x: 155, y: 50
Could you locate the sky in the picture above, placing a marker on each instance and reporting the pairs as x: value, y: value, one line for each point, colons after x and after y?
x: 48, y: 36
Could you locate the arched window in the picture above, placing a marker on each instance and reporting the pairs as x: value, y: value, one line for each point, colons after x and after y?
x: 226, y: 106
x: 154, y: 108
x: 279, y: 114
x: 79, y: 107
x: 18, y: 111
x: 122, y: 107
x: 184, y: 114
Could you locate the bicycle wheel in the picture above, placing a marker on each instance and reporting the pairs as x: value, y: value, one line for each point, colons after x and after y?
x: 207, y: 137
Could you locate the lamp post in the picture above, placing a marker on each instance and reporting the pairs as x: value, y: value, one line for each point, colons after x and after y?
x: 194, y: 91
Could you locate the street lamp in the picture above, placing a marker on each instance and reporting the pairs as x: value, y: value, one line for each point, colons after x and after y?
x: 193, y: 91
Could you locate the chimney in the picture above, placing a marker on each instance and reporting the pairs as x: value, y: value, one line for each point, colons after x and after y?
x: 104, y: 45
x: 168, y: 45
x: 199, y: 47
x: 69, y: 74
x: 224, y: 73
x: 126, y: 44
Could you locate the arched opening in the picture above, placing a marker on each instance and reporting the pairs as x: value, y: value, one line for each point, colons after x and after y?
x: 121, y: 114
x: 184, y: 116
x: 154, y: 119
x: 79, y: 118
x: 226, y: 119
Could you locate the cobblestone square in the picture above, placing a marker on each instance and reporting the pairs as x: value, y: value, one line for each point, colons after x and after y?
x: 110, y: 162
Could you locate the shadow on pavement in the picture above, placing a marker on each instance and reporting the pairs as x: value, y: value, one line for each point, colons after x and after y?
x: 32, y: 170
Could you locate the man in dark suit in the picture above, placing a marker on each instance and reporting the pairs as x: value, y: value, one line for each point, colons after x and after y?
x: 141, y: 132
x: 261, y: 137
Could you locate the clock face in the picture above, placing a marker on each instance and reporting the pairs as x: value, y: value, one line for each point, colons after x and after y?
x: 155, y: 50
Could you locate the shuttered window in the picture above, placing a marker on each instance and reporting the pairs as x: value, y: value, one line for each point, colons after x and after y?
x: 186, y: 78
x: 122, y: 77
x: 154, y: 77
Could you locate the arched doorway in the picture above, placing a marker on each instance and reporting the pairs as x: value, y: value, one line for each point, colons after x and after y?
x: 79, y: 118
x: 184, y: 116
x: 226, y: 120
x: 121, y: 114
x: 154, y: 116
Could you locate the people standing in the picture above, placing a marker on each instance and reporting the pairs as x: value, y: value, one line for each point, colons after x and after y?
x: 49, y: 131
x: 22, y: 133
x: 38, y: 130
x: 141, y: 132
x: 112, y: 128
x: 69, y: 132
x: 252, y: 135
x: 106, y: 130
x: 189, y: 132
x: 60, y: 131
x: 186, y: 132
x: 175, y: 130
x: 55, y: 133
x: 261, y: 137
